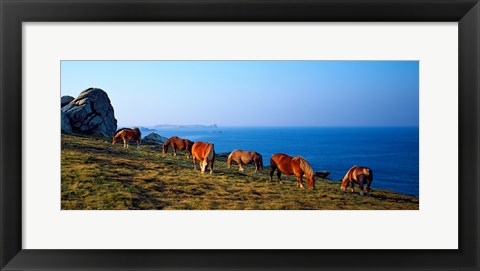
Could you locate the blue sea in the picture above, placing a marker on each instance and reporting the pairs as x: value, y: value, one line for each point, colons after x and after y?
x: 391, y: 152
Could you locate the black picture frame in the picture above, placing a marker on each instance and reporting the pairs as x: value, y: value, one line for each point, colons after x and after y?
x: 15, y: 12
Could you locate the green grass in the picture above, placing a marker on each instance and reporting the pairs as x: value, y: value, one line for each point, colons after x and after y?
x: 99, y: 176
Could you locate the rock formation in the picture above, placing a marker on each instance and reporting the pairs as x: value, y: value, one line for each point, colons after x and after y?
x: 66, y: 127
x: 66, y: 100
x: 90, y: 113
x: 322, y: 174
x: 154, y: 138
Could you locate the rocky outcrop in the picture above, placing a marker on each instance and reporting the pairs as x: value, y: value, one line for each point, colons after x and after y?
x: 154, y: 138
x: 91, y: 113
x: 222, y: 154
x: 322, y: 174
x: 66, y: 127
x: 66, y: 100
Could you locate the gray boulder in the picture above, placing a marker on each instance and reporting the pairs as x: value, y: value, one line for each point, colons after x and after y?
x: 322, y: 174
x: 154, y: 138
x: 222, y: 154
x: 66, y: 127
x: 66, y: 100
x: 91, y: 113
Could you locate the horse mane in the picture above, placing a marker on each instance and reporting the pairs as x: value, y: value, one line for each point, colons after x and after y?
x: 212, y: 150
x: 349, y: 172
x: 136, y: 129
x: 121, y: 129
x: 117, y: 133
x: 169, y: 140
x: 305, y: 166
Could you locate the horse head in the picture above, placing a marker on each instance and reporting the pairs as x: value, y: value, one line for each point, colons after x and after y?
x: 308, y: 172
x: 311, y: 182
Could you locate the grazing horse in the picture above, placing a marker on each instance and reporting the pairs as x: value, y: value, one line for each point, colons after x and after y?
x: 178, y: 143
x: 245, y: 157
x: 205, y: 154
x: 360, y: 175
x: 127, y: 134
x: 289, y: 165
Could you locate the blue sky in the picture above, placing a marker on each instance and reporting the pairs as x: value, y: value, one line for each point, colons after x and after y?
x: 253, y: 93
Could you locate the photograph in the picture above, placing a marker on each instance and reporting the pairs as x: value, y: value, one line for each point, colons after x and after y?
x: 239, y: 135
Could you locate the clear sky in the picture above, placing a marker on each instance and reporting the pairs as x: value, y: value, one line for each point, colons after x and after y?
x: 253, y: 93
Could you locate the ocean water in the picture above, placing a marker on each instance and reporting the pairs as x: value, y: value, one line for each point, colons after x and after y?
x: 391, y: 152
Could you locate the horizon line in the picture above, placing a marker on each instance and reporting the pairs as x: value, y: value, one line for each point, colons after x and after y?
x: 271, y: 126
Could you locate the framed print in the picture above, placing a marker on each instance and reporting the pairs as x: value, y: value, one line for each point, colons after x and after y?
x: 381, y: 102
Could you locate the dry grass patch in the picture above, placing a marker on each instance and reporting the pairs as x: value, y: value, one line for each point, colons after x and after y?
x: 99, y: 176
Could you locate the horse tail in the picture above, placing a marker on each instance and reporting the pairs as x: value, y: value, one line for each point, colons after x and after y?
x: 369, y: 173
x: 210, y: 158
x: 273, y: 164
x: 260, y: 160
x: 229, y: 159
x: 189, y: 146
x: 211, y: 153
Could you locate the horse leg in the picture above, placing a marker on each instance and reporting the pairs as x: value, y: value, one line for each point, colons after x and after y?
x: 279, y: 174
x: 361, y: 180
x: 203, y: 165
x: 240, y: 168
x: 299, y: 181
x: 125, y: 144
x: 174, y: 151
x: 272, y: 170
x: 368, y: 187
x: 138, y: 144
x: 352, y: 184
x: 361, y: 189
x: 194, y: 163
x: 211, y: 167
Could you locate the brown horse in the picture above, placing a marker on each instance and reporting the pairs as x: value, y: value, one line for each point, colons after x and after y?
x: 245, y: 157
x: 178, y: 143
x: 127, y: 134
x: 289, y: 165
x: 359, y: 175
x: 205, y: 153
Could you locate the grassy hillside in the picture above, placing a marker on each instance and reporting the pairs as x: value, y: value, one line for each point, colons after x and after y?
x: 99, y: 176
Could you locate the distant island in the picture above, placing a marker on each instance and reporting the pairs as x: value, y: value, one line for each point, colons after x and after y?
x: 149, y: 129
x: 177, y: 126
